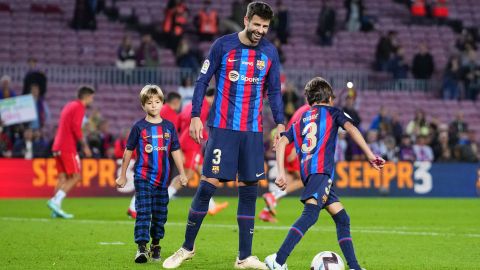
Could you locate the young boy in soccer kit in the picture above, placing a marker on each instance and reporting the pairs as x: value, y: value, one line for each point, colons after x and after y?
x: 314, y: 136
x: 153, y: 138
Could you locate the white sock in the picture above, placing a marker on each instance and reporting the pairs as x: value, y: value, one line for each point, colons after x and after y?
x: 171, y: 191
x: 211, y: 204
x: 59, y: 196
x: 279, y: 194
x: 132, y: 204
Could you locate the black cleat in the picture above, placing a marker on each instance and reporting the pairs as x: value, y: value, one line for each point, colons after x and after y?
x: 155, y: 252
x: 141, y: 256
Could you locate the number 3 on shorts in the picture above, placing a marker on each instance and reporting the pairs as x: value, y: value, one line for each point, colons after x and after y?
x: 218, y: 156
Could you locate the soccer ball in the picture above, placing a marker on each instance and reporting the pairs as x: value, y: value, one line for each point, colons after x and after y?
x: 327, y: 260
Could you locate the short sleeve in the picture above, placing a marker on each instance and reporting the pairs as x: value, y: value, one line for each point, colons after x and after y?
x: 289, y: 133
x: 133, y: 138
x: 341, y: 117
x: 174, y: 144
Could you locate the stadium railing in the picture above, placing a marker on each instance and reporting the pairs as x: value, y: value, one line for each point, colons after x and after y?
x: 93, y: 75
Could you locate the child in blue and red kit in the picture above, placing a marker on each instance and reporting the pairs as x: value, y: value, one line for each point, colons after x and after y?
x: 154, y: 139
x: 315, y: 136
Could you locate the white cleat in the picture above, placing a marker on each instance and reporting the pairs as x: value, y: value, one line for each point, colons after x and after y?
x: 272, y: 264
x: 178, y: 258
x: 251, y: 262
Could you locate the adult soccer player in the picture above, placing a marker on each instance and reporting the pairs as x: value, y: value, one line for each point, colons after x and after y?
x: 292, y: 166
x: 315, y: 136
x: 64, y: 148
x: 244, y: 64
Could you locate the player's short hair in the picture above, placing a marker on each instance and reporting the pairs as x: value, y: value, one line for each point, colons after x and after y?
x: 173, y: 96
x: 210, y: 92
x: 148, y: 91
x: 318, y: 90
x: 261, y: 9
x: 85, y: 91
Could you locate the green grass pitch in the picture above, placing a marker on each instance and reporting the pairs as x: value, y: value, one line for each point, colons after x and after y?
x: 388, y: 234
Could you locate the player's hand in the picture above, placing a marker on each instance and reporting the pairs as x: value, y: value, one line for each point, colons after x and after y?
x: 281, y: 181
x: 278, y: 132
x: 121, y: 181
x: 377, y: 162
x: 196, y: 129
x: 87, y: 151
x: 183, y: 179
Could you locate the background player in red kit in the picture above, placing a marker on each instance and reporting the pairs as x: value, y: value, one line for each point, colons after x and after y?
x: 64, y: 148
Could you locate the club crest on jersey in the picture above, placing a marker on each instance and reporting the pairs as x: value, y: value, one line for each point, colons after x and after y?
x: 148, y: 148
x: 215, y: 169
x: 233, y: 75
x: 166, y: 135
x: 260, y: 64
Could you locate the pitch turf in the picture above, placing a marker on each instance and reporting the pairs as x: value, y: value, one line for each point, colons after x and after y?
x: 388, y: 234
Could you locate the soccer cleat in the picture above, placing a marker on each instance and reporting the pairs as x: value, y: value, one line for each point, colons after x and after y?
x: 155, y: 253
x: 131, y: 213
x: 53, y: 214
x: 271, y: 202
x: 178, y: 258
x: 266, y: 216
x: 251, y: 262
x: 141, y: 256
x: 272, y: 264
x: 57, y: 211
x: 218, y: 207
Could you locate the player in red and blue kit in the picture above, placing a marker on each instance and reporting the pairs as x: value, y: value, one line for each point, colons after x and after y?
x: 244, y: 64
x: 315, y: 136
x: 153, y: 139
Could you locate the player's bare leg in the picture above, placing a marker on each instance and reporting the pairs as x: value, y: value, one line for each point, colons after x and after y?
x: 62, y: 178
x: 342, y: 222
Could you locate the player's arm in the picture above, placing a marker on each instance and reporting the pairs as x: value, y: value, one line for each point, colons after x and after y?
x: 377, y: 162
x: 77, y: 132
x: 281, y: 180
x: 122, y: 179
x: 275, y: 97
x: 209, y: 67
x: 178, y: 159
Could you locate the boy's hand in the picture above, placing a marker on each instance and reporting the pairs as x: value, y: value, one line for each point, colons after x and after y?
x: 377, y: 162
x: 183, y: 179
x: 281, y: 181
x: 121, y: 181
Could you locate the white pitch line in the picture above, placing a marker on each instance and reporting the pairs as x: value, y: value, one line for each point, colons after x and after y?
x: 259, y: 227
x: 111, y: 243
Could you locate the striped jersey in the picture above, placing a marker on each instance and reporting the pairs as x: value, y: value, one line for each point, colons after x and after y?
x: 242, y: 74
x: 153, y: 143
x: 315, y: 138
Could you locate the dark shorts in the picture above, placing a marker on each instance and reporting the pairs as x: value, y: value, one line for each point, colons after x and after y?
x: 229, y: 152
x: 319, y: 186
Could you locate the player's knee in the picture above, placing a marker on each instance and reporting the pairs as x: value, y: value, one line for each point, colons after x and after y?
x: 311, y: 213
x: 342, y: 218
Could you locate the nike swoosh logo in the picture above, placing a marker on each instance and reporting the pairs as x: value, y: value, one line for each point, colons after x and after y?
x: 232, y: 60
x: 259, y: 174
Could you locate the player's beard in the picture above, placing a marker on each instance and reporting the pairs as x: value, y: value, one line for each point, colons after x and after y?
x: 252, y: 38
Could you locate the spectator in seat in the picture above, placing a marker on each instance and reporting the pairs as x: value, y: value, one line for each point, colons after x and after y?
x: 207, y: 22
x: 451, y: 79
x: 398, y: 67
x: 442, y: 151
x: 396, y: 127
x: 147, y: 53
x: 423, y: 64
x: 406, y: 149
x: 281, y: 23
x: 326, y: 24
x: 354, y: 14
x: 418, y: 126
x: 456, y: 127
x: 126, y: 56
x: 465, y: 41
x: 34, y: 76
x: 7, y: 91
x: 386, y: 47
x: 176, y: 19
x: 341, y: 146
x: 28, y: 148
x: 377, y: 145
x: 6, y: 145
x: 187, y: 57
x: 43, y: 111
x: 392, y: 151
x: 467, y: 149
x: 440, y: 11
x: 423, y: 151
x: 471, y: 74
x: 349, y: 108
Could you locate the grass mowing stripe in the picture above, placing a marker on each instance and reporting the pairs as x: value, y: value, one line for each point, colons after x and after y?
x: 260, y: 227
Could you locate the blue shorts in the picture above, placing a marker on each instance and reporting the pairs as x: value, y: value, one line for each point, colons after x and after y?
x: 229, y: 152
x: 319, y: 186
